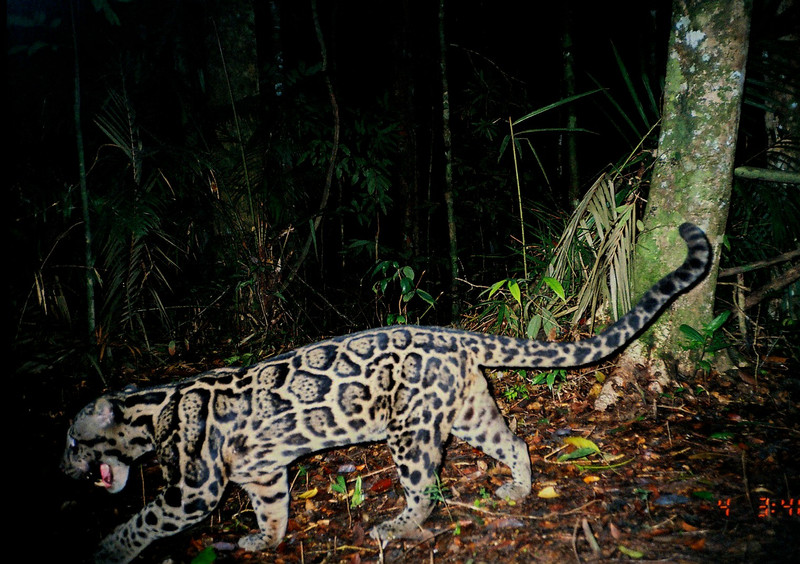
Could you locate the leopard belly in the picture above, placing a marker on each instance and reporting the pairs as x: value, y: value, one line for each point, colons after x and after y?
x: 410, y: 386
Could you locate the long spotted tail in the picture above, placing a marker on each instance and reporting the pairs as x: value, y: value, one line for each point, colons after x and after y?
x: 521, y: 353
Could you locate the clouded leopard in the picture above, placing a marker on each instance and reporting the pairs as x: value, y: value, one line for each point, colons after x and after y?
x: 410, y: 386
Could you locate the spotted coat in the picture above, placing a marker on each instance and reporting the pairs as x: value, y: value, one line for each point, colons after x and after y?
x: 410, y: 386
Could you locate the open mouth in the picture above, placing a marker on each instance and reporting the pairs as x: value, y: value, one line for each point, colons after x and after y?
x: 106, y: 477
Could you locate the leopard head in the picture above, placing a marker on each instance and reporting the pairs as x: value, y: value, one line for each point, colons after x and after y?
x: 97, y: 446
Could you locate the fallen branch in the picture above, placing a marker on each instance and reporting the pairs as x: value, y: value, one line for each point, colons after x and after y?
x: 768, y: 174
x: 760, y: 264
x: 785, y: 279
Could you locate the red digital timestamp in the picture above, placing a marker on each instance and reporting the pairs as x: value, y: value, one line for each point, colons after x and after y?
x: 767, y: 507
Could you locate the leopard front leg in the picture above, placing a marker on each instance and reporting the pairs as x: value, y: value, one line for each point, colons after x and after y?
x: 270, y: 499
x: 172, y: 511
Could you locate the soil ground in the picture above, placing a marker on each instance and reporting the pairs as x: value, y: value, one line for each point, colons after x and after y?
x: 707, y: 473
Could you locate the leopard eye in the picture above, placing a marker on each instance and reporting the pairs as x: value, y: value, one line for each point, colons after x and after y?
x: 72, y: 443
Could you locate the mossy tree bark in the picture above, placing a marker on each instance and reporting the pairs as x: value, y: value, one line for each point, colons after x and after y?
x: 693, y: 175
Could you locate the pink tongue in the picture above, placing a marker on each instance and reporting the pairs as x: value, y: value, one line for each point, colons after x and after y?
x: 105, y: 475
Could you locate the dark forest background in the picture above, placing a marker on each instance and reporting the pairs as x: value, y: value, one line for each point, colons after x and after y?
x: 219, y: 225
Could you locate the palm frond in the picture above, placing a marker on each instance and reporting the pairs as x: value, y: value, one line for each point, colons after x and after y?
x: 118, y: 123
x: 606, y: 230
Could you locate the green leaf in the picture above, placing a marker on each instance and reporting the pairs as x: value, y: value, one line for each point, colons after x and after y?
x: 554, y: 105
x: 718, y: 321
x: 426, y: 297
x: 406, y: 286
x: 313, y: 234
x: 534, y: 325
x: 691, y: 333
x: 358, y: 494
x: 513, y: 287
x: 205, y: 556
x: 380, y: 267
x: 556, y: 286
x: 577, y: 453
x: 538, y: 379
x: 503, y: 145
x: 339, y: 486
x: 496, y: 286
x: 395, y: 319
x: 630, y: 552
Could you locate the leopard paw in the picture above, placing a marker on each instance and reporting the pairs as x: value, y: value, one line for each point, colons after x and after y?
x: 256, y: 542
x: 513, y: 491
x: 385, y: 532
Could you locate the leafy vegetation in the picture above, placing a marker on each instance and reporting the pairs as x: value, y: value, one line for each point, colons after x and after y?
x: 248, y: 185
x: 707, y: 341
x: 224, y: 216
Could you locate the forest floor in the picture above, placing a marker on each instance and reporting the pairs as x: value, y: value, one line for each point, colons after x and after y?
x: 707, y: 473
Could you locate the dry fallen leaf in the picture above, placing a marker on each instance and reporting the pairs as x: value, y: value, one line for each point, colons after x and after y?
x: 687, y: 527
x: 381, y: 485
x: 548, y: 492
x: 580, y: 442
x: 699, y: 544
x: 308, y: 494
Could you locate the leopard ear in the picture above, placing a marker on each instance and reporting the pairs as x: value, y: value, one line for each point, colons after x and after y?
x: 104, y: 412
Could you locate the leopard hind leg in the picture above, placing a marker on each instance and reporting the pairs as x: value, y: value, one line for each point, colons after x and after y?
x: 417, y: 456
x: 270, y: 499
x: 480, y: 424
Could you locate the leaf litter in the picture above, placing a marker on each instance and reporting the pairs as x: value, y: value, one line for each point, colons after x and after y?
x: 681, y: 477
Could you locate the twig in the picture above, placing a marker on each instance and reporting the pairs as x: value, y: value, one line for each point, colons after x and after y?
x: 745, y: 481
x: 674, y: 408
x: 575, y: 542
x: 378, y: 471
x: 587, y: 532
x: 317, y: 218
x: 327, y: 303
x: 550, y: 515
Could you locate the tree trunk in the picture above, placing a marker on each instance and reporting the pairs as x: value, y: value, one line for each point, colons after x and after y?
x: 84, y: 189
x: 569, y: 161
x: 408, y: 204
x: 449, y: 197
x: 693, y: 175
